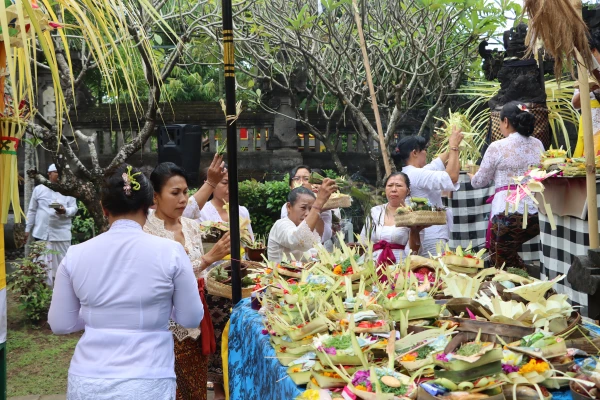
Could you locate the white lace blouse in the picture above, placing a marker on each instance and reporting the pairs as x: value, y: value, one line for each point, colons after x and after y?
x: 287, y: 239
x: 193, y: 248
x: 504, y: 159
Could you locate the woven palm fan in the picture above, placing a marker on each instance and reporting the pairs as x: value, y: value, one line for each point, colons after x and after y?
x: 560, y: 26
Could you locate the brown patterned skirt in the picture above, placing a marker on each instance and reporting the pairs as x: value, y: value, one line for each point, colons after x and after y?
x: 508, y: 236
x: 191, y: 369
x: 220, y: 311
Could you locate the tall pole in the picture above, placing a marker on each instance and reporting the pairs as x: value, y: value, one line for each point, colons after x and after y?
x: 363, y: 47
x: 232, y: 149
x: 590, y: 157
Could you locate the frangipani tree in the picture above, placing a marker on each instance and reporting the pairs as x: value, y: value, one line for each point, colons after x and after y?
x: 419, y: 51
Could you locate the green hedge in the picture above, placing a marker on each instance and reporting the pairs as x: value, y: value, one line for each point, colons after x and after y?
x: 264, y: 202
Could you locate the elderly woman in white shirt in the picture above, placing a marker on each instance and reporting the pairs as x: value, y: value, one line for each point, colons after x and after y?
x: 503, y: 160
x: 296, y: 233
x: 121, y: 287
x: 299, y: 176
x: 429, y: 180
x: 391, y: 243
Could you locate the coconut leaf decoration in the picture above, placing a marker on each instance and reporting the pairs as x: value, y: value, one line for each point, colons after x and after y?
x: 560, y: 26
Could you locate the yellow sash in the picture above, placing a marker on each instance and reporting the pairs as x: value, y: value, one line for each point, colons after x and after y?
x: 579, y: 148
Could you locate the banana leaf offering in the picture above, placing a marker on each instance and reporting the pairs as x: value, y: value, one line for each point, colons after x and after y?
x: 344, y: 185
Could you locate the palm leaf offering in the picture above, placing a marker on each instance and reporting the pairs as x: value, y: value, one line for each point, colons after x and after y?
x: 341, y: 323
x: 344, y: 185
x: 470, y: 145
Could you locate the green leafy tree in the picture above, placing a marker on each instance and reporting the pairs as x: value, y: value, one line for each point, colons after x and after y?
x: 419, y: 51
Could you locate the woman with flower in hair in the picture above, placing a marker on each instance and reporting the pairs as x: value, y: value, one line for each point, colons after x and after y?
x: 122, y: 287
x: 504, y: 159
x: 194, y: 348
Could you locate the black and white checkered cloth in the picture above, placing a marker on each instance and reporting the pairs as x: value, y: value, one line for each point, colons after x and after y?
x: 470, y: 219
x: 559, y: 248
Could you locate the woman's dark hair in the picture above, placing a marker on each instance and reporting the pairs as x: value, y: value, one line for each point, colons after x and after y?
x: 398, y: 173
x: 295, y: 170
x: 114, y: 198
x: 297, y: 192
x: 594, y: 40
x: 318, y: 171
x: 165, y: 171
x: 406, y: 145
x: 518, y: 117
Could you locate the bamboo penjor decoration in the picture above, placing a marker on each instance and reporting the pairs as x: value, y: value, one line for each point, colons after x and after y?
x: 560, y: 26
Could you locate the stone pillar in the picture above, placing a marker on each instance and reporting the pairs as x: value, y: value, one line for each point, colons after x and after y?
x: 285, y: 127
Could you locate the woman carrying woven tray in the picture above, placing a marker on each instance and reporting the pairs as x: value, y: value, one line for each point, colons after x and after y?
x: 296, y: 233
x: 299, y: 176
x: 121, y: 287
x: 391, y: 243
x: 504, y: 159
x: 193, y: 347
x: 429, y: 180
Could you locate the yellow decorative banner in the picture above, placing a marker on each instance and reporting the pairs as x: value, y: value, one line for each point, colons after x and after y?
x: 2, y: 260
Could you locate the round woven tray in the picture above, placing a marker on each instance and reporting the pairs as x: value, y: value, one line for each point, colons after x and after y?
x: 222, y: 290
x: 421, y: 218
x: 338, y: 202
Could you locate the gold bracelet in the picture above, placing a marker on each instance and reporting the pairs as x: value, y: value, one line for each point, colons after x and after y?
x: 210, y: 184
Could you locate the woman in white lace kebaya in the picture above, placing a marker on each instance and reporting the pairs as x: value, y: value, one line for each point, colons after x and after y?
x: 121, y: 287
x: 296, y: 233
x: 192, y: 346
x: 391, y: 243
x: 503, y: 160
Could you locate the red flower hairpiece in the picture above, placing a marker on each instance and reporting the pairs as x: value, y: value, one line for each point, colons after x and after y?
x: 522, y: 107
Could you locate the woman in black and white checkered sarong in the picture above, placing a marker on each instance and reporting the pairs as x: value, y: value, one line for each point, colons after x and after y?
x: 503, y: 160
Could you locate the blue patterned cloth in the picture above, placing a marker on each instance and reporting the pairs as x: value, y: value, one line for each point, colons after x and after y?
x: 253, y: 367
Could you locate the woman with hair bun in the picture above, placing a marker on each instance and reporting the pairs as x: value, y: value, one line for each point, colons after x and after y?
x: 122, y: 287
x: 195, y: 349
x: 503, y: 160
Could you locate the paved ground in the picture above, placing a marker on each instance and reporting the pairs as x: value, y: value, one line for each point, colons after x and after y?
x: 63, y: 397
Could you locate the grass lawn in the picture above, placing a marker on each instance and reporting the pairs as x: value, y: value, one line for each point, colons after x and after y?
x: 38, y: 361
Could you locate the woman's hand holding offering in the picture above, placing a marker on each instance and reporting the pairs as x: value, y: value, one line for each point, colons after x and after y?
x: 328, y: 187
x: 220, y: 250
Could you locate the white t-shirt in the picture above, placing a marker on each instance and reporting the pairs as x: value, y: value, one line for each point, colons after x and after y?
x: 429, y: 182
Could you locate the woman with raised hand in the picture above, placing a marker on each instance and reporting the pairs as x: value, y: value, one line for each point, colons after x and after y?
x: 504, y: 159
x: 391, y: 243
x: 300, y: 176
x: 193, y: 347
x: 121, y: 287
x: 296, y: 233
x: 430, y: 180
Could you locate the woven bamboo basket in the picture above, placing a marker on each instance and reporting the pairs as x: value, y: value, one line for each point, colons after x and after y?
x: 343, y: 201
x: 216, y: 288
x: 222, y: 290
x: 421, y: 218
